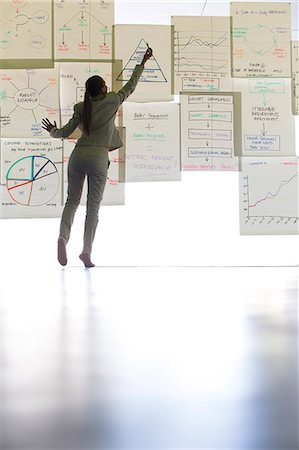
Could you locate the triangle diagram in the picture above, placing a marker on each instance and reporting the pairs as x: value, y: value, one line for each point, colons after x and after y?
x: 152, y: 72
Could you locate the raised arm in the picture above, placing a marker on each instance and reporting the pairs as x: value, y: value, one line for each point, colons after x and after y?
x: 130, y: 86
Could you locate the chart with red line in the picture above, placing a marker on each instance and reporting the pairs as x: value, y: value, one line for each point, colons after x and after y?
x: 32, y: 181
x: 269, y: 196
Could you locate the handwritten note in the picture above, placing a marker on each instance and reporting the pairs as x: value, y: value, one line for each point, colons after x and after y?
x: 26, y: 34
x: 153, y: 141
x: 267, y: 122
x: 261, y: 34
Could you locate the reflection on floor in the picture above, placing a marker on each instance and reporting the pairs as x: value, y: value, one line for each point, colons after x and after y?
x: 149, y: 358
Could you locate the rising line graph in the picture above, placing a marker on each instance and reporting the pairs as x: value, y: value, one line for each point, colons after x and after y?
x: 269, y: 195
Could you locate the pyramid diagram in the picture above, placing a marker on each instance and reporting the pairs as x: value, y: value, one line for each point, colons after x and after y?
x: 152, y: 72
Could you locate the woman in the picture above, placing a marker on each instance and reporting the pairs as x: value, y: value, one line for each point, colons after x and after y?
x: 95, y: 118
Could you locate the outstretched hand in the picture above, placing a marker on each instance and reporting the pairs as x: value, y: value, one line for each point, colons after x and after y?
x: 147, y: 55
x: 47, y: 125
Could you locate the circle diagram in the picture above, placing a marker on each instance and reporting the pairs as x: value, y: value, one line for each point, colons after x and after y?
x: 260, y: 39
x: 27, y: 98
x: 32, y: 181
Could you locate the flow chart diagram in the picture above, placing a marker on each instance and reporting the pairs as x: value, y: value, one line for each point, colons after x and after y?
x: 26, y: 29
x: 27, y: 96
x: 269, y: 196
x: 207, y: 131
x: 267, y: 123
x: 83, y: 29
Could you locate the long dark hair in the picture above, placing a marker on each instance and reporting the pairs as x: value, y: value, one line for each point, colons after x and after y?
x: 92, y: 88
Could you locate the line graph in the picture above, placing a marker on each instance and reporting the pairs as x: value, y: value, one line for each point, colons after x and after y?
x: 269, y: 196
x: 206, y: 43
x: 202, y: 51
x: 205, y: 51
x: 197, y: 64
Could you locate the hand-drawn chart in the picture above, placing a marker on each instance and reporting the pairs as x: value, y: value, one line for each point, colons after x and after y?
x: 27, y: 96
x: 261, y: 34
x: 31, y: 172
x: 72, y: 83
x: 269, y: 196
x: 152, y: 71
x: 114, y: 193
x: 152, y: 141
x: 210, y: 131
x: 130, y: 45
x: 25, y: 34
x: 295, y: 76
x: 202, y: 50
x: 267, y: 122
x: 25, y: 180
x: 83, y: 29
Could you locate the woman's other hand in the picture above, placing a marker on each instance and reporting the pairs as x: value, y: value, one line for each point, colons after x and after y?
x: 47, y: 125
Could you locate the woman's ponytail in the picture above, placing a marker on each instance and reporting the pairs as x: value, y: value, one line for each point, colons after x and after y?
x: 93, y: 87
x: 86, y: 119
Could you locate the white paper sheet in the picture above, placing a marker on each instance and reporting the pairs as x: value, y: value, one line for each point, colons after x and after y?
x: 31, y: 178
x: 268, y: 126
x: 261, y: 34
x: 153, y: 141
x: 26, y: 97
x: 131, y: 41
x: 269, y: 196
x: 83, y: 29
x: 202, y: 53
x: 26, y: 33
x: 208, y: 131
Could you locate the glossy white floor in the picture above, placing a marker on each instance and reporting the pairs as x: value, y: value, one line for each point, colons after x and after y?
x: 155, y: 358
x: 141, y: 352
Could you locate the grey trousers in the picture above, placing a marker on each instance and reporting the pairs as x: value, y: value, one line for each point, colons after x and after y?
x: 92, y: 163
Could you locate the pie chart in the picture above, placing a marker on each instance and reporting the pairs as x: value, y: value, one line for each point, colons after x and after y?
x: 32, y: 181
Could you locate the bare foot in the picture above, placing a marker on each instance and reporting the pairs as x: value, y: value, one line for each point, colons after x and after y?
x: 61, y: 252
x: 86, y: 259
